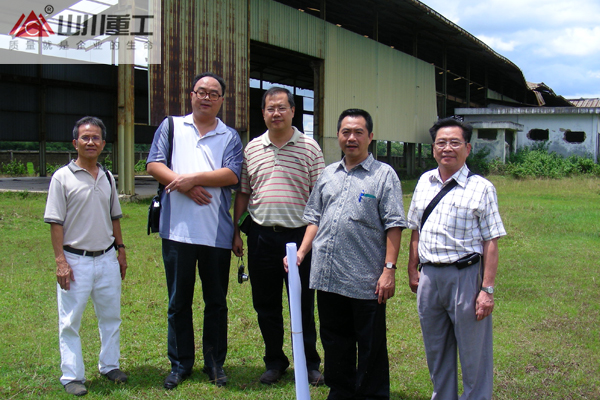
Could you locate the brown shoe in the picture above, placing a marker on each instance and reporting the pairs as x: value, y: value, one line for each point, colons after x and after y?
x: 76, y: 388
x: 315, y: 378
x: 271, y: 376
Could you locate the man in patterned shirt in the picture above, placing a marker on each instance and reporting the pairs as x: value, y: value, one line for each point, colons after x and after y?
x: 455, y: 285
x: 356, y: 218
x: 279, y: 171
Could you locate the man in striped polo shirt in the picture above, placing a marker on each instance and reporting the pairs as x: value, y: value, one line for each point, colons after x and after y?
x: 279, y: 171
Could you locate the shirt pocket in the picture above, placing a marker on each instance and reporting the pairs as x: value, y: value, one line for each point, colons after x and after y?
x: 366, y: 212
x: 460, y: 220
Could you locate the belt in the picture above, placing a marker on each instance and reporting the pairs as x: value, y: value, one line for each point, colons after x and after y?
x: 276, y: 228
x: 86, y: 253
x: 464, y: 262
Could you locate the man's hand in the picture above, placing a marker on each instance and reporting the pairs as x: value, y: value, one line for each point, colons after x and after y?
x: 64, y: 273
x: 122, y: 262
x: 413, y: 279
x: 386, y: 285
x: 182, y: 183
x: 237, y: 245
x: 484, y: 305
x: 300, y: 254
x: 200, y: 195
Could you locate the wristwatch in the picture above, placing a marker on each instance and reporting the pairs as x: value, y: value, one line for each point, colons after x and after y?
x: 488, y: 289
x: 390, y: 265
x: 119, y: 246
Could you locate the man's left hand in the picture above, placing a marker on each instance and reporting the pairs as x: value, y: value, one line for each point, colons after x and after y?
x: 122, y: 262
x: 386, y: 285
x: 484, y: 305
x: 182, y: 183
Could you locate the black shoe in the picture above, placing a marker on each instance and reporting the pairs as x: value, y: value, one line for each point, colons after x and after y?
x: 216, y: 375
x: 271, y: 376
x: 116, y: 375
x: 315, y: 378
x: 174, y: 379
x: 76, y: 388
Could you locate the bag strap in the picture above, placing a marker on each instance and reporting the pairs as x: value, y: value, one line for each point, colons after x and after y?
x: 434, y: 202
x: 111, y: 190
x: 170, y: 155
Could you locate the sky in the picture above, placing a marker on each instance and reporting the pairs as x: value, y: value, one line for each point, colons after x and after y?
x: 556, y: 42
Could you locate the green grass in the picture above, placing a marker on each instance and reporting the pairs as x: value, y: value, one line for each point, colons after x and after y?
x: 546, y: 321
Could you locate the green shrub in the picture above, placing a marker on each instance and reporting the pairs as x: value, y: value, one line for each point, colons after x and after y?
x: 14, y: 168
x: 140, y: 166
x: 477, y: 162
x: 108, y: 163
x: 51, y: 168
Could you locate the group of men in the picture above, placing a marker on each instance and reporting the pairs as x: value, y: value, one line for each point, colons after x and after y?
x: 346, y: 219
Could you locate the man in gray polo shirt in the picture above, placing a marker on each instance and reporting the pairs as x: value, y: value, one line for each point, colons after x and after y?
x: 83, y: 212
x: 355, y: 218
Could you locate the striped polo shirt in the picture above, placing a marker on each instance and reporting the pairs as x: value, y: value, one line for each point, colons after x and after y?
x: 279, y: 180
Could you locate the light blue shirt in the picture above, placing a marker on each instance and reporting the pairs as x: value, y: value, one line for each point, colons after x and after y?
x: 353, y: 210
x: 181, y: 219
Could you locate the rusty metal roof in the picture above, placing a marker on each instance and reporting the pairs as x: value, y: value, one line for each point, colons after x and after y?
x: 585, y: 102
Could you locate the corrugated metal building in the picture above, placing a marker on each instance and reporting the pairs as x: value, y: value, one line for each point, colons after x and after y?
x: 398, y: 59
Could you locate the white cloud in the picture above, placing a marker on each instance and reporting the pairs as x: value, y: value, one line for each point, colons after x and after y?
x: 498, y: 43
x: 577, y: 42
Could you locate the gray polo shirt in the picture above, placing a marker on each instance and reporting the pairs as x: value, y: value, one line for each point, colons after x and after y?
x: 83, y: 207
x: 353, y: 210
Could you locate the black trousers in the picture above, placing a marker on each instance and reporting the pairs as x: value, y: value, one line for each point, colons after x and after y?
x: 266, y: 249
x: 350, y: 326
x: 180, y: 267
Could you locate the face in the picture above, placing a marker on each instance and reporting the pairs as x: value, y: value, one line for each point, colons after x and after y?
x: 448, y: 158
x: 354, y: 138
x: 206, y: 107
x: 277, y: 113
x: 89, y: 144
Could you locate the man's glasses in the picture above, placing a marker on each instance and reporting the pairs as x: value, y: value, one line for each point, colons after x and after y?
x: 280, y: 110
x: 86, y: 139
x: 441, y: 144
x: 212, y: 96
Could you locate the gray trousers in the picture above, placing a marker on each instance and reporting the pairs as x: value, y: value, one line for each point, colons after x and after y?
x: 446, y: 303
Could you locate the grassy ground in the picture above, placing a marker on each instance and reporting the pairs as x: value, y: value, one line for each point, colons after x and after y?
x: 546, y: 322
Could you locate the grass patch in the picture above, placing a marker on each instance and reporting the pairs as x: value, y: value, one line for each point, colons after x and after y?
x: 546, y: 322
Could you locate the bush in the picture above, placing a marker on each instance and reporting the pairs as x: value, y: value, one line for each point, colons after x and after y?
x: 107, y: 163
x: 14, y: 168
x: 538, y: 163
x: 477, y: 162
x: 140, y: 166
x: 51, y: 168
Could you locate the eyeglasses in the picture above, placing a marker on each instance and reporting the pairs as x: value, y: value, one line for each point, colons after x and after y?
x: 280, y: 110
x: 455, y: 144
x: 86, y: 139
x: 212, y: 96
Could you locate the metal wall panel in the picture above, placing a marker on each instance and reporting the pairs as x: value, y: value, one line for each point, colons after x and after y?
x: 398, y: 90
x: 198, y: 36
x: 279, y: 25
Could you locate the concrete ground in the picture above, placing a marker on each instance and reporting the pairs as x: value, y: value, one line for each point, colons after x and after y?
x: 145, y: 186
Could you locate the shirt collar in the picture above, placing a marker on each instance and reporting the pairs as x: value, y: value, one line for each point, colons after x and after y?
x: 366, y: 164
x: 220, y: 128
x: 459, y: 176
x: 295, y: 137
x: 75, y: 168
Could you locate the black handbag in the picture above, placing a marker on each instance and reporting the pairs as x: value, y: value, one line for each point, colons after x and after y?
x: 155, y: 205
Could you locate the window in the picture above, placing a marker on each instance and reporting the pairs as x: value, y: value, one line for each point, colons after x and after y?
x: 487, y: 134
x: 574, y: 136
x: 538, y: 134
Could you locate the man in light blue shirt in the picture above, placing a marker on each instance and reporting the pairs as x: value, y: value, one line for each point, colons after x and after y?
x: 195, y: 225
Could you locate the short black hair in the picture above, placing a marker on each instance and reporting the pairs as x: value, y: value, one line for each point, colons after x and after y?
x: 467, y: 129
x: 273, y: 91
x: 89, y: 121
x: 356, y: 112
x: 210, y: 74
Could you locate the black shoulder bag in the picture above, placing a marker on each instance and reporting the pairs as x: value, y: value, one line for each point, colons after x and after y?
x: 155, y: 205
